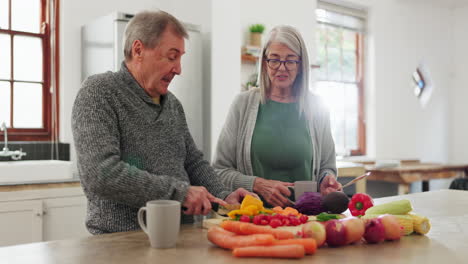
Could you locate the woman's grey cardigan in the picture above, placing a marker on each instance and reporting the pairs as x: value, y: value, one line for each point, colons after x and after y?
x: 232, y: 158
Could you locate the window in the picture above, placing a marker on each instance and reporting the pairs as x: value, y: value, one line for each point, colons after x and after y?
x: 28, y: 72
x: 340, y: 40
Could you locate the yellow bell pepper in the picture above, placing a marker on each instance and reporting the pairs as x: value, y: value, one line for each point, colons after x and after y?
x: 250, y: 200
x: 234, y: 213
x: 252, y: 208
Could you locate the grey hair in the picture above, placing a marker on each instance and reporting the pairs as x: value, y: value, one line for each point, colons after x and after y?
x: 290, y: 37
x: 148, y: 26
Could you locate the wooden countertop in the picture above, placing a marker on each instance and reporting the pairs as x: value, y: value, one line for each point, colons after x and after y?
x: 38, y: 186
x: 447, y: 242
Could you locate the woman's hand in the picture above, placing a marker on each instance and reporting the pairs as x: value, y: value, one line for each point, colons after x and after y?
x: 273, y: 192
x: 330, y: 184
x: 238, y: 195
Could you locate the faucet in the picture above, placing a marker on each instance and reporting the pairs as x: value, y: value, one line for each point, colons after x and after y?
x: 15, y: 155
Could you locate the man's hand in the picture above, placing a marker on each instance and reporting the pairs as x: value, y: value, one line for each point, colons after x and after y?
x: 198, y: 201
x: 330, y: 184
x: 236, y: 196
x: 273, y: 192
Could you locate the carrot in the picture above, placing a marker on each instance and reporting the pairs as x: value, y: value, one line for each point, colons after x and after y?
x: 248, y: 228
x: 233, y: 226
x: 280, y: 251
x: 229, y: 240
x: 290, y: 210
x: 242, y: 228
x: 309, y: 244
x: 277, y: 209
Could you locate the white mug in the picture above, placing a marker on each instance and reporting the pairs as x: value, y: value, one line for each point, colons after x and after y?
x: 162, y: 222
x: 301, y: 187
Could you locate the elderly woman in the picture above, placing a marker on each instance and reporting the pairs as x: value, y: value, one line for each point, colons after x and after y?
x: 278, y: 133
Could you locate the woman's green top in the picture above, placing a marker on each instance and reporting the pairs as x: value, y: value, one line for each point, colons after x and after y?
x: 281, y: 143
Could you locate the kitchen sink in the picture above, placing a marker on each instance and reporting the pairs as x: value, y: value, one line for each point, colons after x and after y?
x: 34, y: 171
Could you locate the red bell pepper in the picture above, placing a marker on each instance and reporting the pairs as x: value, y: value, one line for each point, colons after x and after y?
x: 359, y: 203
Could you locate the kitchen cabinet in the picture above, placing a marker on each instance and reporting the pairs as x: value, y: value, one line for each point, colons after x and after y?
x: 20, y: 222
x: 42, y: 215
x: 64, y: 218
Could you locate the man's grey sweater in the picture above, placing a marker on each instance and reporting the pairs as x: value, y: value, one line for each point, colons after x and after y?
x: 131, y: 150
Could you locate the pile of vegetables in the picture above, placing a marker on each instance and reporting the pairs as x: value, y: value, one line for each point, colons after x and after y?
x: 250, y: 240
x: 402, y: 210
x: 256, y: 235
x: 252, y: 211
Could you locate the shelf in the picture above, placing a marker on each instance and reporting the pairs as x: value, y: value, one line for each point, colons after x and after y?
x: 247, y: 58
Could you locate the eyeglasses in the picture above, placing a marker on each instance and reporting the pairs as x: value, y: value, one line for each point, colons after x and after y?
x: 275, y: 64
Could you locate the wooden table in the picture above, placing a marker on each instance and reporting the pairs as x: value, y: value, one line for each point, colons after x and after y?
x: 407, y: 174
x: 447, y: 242
x: 351, y: 169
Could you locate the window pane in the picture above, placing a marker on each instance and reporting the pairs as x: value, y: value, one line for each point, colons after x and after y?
x: 351, y: 115
x: 25, y: 15
x: 27, y: 105
x: 332, y: 93
x: 27, y: 58
x: 5, y: 103
x: 349, y: 40
x: 349, y: 66
x: 334, y: 64
x: 3, y: 14
x: 321, y: 34
x: 334, y: 37
x: 322, y: 61
x: 321, y: 52
x: 5, y: 69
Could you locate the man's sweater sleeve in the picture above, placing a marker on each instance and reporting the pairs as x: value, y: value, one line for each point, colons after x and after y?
x: 198, y: 169
x: 102, y: 171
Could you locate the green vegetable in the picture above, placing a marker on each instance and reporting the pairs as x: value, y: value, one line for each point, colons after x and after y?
x: 322, y: 217
x: 399, y: 207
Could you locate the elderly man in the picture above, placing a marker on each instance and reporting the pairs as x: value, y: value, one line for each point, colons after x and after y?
x: 131, y: 136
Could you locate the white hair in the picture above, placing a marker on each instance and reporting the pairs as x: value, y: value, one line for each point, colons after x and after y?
x: 148, y: 27
x: 290, y: 37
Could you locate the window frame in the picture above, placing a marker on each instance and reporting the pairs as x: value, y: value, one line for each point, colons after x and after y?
x: 360, y: 82
x: 361, y: 97
x: 47, y: 133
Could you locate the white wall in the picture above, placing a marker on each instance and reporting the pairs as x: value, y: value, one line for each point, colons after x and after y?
x: 401, y: 34
x: 459, y: 96
x: 225, y: 58
x: 75, y: 14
